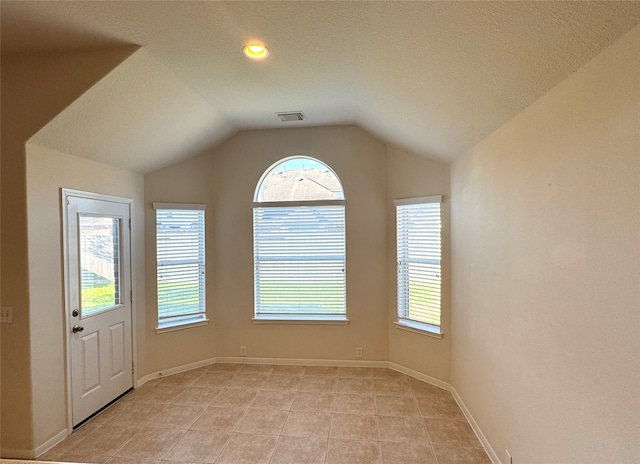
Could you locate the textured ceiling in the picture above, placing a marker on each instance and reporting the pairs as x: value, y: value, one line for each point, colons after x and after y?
x: 432, y: 77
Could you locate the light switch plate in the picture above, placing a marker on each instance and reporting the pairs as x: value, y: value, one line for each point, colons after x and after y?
x: 6, y: 315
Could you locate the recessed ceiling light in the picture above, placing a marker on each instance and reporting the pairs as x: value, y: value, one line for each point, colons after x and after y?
x: 255, y: 51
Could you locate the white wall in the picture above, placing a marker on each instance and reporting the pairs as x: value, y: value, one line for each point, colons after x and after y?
x: 546, y: 259
x: 47, y: 172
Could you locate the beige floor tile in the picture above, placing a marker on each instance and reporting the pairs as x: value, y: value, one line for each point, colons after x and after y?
x: 215, y: 418
x: 401, y: 429
x: 248, y: 449
x: 354, y: 404
x: 72, y: 440
x: 183, y: 378
x: 259, y: 421
x: 177, y: 416
x: 391, y: 387
x: 451, y: 432
x: 461, y: 455
x: 121, y: 460
x: 235, y: 398
x: 360, y: 386
x: 307, y: 424
x: 406, y: 453
x: 300, y: 450
x: 253, y: 381
x: 353, y: 452
x: 313, y: 401
x: 420, y: 388
x: 214, y: 379
x: 110, y: 439
x: 199, y: 446
x: 326, y: 371
x: 287, y: 370
x: 384, y: 373
x: 51, y: 455
x: 161, y: 394
x: 281, y: 382
x: 256, y: 369
x: 273, y: 399
x: 150, y: 443
x: 223, y: 367
x: 354, y: 427
x: 396, y: 406
x: 197, y: 395
x: 135, y: 414
x: 355, y: 372
x: 73, y: 456
x: 439, y: 407
x: 318, y: 384
x: 283, y: 413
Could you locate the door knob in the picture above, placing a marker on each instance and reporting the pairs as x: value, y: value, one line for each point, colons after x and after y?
x: 77, y: 328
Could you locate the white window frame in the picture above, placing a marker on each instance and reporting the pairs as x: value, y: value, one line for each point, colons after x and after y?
x: 405, y: 242
x: 188, y: 318
x: 259, y: 210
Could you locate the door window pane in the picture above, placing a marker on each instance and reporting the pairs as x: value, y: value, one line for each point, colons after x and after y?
x: 99, y: 263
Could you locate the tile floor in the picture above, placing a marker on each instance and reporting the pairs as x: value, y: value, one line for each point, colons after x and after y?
x: 249, y: 413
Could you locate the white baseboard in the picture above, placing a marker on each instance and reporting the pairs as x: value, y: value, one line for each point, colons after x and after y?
x: 476, y: 428
x: 303, y: 362
x: 174, y: 370
x: 420, y: 376
x: 46, y: 446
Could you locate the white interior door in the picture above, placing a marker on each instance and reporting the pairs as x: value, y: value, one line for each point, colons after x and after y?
x: 98, y: 302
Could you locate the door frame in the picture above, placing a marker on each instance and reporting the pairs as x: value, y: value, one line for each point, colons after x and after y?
x: 65, y: 194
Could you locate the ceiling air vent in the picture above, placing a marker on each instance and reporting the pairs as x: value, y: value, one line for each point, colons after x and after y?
x: 291, y: 116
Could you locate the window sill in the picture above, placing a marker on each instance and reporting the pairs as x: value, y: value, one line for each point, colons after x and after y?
x: 171, y: 327
x: 420, y: 328
x: 322, y: 320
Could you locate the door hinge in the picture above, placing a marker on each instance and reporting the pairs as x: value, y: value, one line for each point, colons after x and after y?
x: 131, y: 296
x: 129, y: 223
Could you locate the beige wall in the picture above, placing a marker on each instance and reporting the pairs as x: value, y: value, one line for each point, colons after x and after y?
x: 372, y: 175
x: 546, y: 259
x: 47, y: 172
x: 186, y: 182
x: 359, y: 161
x: 34, y: 90
x: 410, y: 175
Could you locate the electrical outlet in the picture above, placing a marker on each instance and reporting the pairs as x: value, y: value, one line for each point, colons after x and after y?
x: 359, y: 352
x: 243, y: 351
x: 507, y: 457
x: 6, y: 315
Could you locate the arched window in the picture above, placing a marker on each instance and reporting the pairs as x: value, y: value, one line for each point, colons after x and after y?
x: 299, y: 243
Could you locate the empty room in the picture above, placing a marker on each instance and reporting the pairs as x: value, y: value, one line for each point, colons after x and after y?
x: 335, y: 232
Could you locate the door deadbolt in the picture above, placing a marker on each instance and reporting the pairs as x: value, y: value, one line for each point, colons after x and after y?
x: 75, y: 313
x: 77, y: 328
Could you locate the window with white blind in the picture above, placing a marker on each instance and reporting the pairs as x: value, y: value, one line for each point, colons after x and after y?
x: 418, y: 234
x: 180, y: 256
x: 299, y: 244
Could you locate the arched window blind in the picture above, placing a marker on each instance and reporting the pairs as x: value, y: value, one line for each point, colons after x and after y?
x: 299, y: 243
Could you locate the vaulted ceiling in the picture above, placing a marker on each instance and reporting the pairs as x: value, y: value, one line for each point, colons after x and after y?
x: 432, y: 77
